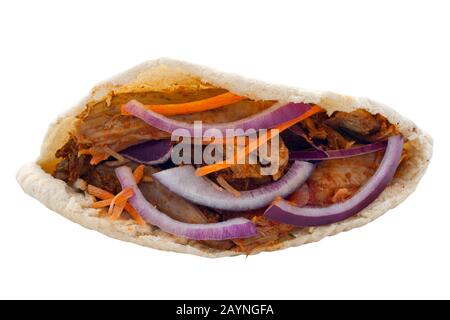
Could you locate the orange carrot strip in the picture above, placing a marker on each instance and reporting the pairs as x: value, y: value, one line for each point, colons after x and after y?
x: 134, y: 214
x: 99, y: 193
x: 194, y: 106
x: 118, y: 208
x: 122, y: 196
x: 253, y: 145
x: 105, y: 195
x: 139, y: 173
x: 97, y: 156
x: 102, y: 203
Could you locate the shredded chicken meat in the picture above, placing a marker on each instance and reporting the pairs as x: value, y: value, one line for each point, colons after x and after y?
x: 270, y: 233
x: 336, y: 180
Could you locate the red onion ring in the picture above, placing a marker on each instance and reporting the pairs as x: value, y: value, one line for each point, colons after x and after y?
x: 230, y: 229
x: 285, y: 212
x: 184, y: 182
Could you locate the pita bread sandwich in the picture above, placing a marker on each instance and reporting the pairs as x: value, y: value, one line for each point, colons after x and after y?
x: 179, y: 157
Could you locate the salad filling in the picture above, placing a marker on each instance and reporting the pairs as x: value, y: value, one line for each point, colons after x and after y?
x: 123, y: 149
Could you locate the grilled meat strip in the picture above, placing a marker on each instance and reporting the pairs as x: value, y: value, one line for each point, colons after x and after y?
x: 72, y: 166
x: 362, y: 125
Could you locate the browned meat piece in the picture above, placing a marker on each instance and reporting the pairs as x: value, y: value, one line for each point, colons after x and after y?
x: 300, y: 196
x: 336, y: 180
x: 244, y: 171
x: 386, y: 130
x: 342, y: 128
x: 242, y: 184
x: 103, y: 177
x: 219, y: 244
x: 359, y: 121
x: 362, y: 125
x: 336, y: 140
x: 72, y: 166
x: 168, y: 202
x: 321, y: 133
x: 314, y: 128
x: 249, y: 214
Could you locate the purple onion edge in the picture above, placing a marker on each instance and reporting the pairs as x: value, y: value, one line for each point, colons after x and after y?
x: 291, y: 214
x: 242, y: 230
x: 338, y: 154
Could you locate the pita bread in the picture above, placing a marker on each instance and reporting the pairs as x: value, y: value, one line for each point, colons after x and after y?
x: 163, y: 73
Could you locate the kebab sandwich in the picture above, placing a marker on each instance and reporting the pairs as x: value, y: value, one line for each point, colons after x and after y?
x: 180, y: 157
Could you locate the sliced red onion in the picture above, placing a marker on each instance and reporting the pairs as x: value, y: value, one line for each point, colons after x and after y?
x: 230, y: 229
x: 150, y: 152
x: 336, y: 154
x: 299, y: 131
x: 184, y: 182
x: 285, y: 212
x: 266, y: 119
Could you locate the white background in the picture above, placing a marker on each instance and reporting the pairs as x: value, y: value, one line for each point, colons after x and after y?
x: 397, y: 52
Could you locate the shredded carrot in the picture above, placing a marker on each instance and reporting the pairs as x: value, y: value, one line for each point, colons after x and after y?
x: 97, y: 155
x: 105, y: 195
x: 101, y: 153
x: 194, y: 106
x: 255, y: 144
x: 122, y: 196
x: 117, y: 211
x: 133, y: 213
x: 97, y: 158
x: 99, y: 193
x: 139, y: 173
x: 102, y: 203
